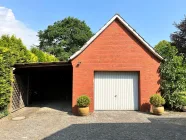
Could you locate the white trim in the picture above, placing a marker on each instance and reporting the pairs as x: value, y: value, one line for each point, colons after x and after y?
x: 104, y: 27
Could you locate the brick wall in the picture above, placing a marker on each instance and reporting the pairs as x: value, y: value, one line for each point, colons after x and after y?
x: 115, y: 49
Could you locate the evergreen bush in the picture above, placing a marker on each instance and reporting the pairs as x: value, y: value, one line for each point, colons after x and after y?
x: 156, y: 100
x: 6, y: 78
x: 83, y: 101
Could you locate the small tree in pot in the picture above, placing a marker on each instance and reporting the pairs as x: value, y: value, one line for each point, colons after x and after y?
x: 157, y: 101
x: 83, y: 103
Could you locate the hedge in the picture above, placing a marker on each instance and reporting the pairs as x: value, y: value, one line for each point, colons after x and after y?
x: 43, y: 56
x: 6, y: 78
x: 12, y: 51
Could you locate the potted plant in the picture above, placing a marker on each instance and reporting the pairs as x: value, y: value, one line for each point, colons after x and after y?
x: 157, y: 101
x: 83, y: 103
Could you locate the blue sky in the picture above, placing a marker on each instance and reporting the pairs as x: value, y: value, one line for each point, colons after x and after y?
x: 153, y: 20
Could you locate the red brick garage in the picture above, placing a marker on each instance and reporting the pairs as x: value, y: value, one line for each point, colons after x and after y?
x: 115, y: 52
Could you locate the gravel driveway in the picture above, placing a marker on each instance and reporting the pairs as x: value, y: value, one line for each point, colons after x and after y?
x: 51, y: 123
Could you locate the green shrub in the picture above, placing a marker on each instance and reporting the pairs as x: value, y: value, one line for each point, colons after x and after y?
x: 32, y: 56
x: 83, y: 101
x: 6, y: 78
x: 3, y: 112
x: 19, y: 52
x: 172, y: 74
x: 176, y: 100
x: 43, y: 56
x: 156, y: 100
x: 183, y: 98
x: 184, y: 102
x: 12, y: 51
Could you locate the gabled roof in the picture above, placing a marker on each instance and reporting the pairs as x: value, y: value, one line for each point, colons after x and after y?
x: 105, y: 26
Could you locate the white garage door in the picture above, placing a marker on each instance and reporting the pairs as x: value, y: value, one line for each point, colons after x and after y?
x: 116, y: 91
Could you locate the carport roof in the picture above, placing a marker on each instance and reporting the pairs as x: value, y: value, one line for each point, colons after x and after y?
x: 41, y: 64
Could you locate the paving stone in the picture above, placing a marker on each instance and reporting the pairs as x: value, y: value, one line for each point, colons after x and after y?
x: 52, y: 123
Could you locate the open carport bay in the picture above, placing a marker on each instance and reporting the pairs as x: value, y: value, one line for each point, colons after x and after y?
x: 43, y: 84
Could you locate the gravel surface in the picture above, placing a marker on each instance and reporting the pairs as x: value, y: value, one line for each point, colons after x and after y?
x: 57, y: 123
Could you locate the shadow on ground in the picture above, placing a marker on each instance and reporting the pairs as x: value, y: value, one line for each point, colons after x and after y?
x: 157, y: 129
x: 55, y: 105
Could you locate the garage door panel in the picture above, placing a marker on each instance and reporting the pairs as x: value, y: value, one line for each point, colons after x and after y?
x: 104, y: 87
x: 116, y: 91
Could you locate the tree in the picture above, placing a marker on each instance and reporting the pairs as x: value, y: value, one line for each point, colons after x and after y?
x: 166, y: 50
x: 64, y: 37
x: 19, y: 52
x: 172, y: 72
x: 172, y: 69
x: 179, y: 37
x: 43, y: 56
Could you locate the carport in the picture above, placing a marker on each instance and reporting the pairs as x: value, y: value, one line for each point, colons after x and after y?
x: 39, y: 84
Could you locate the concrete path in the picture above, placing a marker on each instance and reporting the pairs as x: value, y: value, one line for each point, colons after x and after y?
x: 52, y: 123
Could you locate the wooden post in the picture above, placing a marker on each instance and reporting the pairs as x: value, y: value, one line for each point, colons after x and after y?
x: 28, y: 86
x: 9, y: 107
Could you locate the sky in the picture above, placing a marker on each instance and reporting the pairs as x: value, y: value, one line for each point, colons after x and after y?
x: 152, y: 19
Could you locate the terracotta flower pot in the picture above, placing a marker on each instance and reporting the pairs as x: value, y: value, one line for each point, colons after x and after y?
x: 83, y: 111
x: 184, y: 108
x: 158, y: 110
